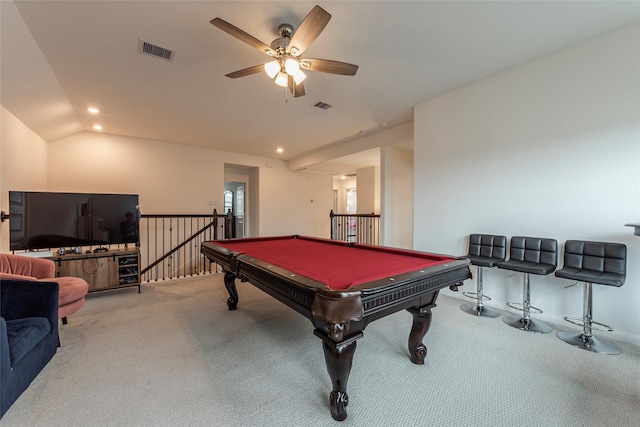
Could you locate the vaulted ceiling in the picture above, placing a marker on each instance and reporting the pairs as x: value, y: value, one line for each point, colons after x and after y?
x: 60, y: 57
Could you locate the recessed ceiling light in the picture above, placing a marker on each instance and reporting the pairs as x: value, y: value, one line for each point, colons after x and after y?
x: 279, y: 150
x: 97, y: 127
x: 93, y: 110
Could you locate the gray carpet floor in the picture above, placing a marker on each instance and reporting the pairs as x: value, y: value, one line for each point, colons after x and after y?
x: 175, y: 356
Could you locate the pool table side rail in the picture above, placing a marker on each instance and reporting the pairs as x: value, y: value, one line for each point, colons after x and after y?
x: 409, y: 287
x: 220, y: 255
x: 401, y: 251
x: 398, y: 280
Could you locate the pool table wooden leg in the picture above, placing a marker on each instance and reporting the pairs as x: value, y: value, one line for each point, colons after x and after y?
x: 421, y: 323
x: 230, y: 284
x: 339, y: 358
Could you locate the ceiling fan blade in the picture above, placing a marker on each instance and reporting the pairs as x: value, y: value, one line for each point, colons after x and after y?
x: 296, y: 90
x: 309, y: 29
x: 329, y: 66
x: 246, y: 71
x: 241, y: 35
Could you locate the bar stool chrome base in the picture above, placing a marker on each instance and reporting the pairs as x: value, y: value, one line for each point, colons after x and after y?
x: 528, y: 325
x: 585, y: 340
x: 589, y: 343
x: 479, y: 310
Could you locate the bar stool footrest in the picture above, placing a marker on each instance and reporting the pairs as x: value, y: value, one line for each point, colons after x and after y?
x: 519, y: 306
x: 474, y: 295
x: 579, y: 321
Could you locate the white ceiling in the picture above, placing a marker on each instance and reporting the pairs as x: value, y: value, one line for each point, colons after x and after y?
x: 77, y: 54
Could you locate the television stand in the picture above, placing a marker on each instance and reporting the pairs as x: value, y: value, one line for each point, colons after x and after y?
x: 103, y: 271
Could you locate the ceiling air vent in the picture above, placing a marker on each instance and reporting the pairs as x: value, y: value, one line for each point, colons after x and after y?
x: 153, y: 50
x: 322, y: 105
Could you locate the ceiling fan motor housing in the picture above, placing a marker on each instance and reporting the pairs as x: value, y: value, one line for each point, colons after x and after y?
x: 285, y: 30
x: 280, y: 45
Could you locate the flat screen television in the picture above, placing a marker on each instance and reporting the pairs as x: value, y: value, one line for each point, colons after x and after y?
x: 47, y: 220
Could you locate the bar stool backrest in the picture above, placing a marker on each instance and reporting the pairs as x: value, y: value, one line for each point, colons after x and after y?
x: 487, y: 245
x: 602, y: 257
x: 534, y: 249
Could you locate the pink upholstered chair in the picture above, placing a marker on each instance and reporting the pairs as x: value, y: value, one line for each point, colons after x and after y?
x: 72, y: 290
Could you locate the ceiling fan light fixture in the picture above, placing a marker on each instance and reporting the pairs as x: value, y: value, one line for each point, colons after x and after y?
x: 299, y: 77
x: 291, y: 66
x: 272, y: 68
x: 282, y: 79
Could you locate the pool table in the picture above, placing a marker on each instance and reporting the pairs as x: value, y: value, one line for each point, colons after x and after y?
x: 340, y: 287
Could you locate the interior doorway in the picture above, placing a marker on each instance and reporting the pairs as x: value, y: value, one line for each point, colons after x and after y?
x: 234, y: 201
x: 241, y: 185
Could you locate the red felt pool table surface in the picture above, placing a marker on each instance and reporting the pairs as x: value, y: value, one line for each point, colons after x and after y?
x: 337, y: 264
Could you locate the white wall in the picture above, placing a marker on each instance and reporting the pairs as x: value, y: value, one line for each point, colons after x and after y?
x: 23, y: 163
x: 294, y: 203
x: 548, y: 149
x: 396, y: 169
x: 368, y: 184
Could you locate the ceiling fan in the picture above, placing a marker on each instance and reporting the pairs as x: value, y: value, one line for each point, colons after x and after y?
x: 287, y: 65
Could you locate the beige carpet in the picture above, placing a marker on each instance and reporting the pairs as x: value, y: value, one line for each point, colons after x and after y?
x: 175, y: 356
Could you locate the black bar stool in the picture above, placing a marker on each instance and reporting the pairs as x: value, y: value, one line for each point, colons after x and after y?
x: 530, y: 255
x: 485, y: 250
x: 592, y: 262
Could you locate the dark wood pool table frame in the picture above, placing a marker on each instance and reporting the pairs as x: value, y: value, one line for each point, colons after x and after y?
x: 340, y: 317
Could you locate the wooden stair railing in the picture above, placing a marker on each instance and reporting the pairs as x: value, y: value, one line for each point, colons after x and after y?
x: 170, y: 247
x: 355, y: 228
